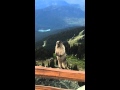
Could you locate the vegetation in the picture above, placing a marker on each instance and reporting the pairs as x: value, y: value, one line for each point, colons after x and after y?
x: 62, y: 34
x: 66, y: 84
x: 74, y: 41
x: 74, y: 63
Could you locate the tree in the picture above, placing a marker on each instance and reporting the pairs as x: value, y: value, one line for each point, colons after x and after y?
x: 81, y: 51
x: 43, y: 53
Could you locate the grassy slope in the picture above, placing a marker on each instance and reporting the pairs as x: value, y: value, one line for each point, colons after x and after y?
x: 76, y: 39
x: 60, y: 35
x: 71, y: 60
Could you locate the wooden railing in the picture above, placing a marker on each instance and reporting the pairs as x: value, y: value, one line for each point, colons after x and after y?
x: 57, y: 74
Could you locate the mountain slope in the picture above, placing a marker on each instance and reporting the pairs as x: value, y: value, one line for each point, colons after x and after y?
x: 58, y: 17
x: 40, y: 4
x: 73, y: 40
x: 64, y: 36
x: 40, y: 35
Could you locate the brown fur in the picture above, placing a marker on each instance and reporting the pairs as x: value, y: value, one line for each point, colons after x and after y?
x: 61, y: 55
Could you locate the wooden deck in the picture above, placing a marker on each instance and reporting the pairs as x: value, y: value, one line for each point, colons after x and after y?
x: 57, y: 74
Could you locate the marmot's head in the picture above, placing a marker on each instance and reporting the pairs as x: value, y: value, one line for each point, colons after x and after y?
x: 59, y: 43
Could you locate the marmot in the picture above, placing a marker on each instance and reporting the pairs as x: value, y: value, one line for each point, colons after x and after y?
x: 61, y: 55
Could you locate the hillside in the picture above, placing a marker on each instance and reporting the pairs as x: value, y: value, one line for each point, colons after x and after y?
x: 58, y: 17
x: 73, y: 37
x: 64, y: 35
x: 41, y: 35
x: 75, y: 40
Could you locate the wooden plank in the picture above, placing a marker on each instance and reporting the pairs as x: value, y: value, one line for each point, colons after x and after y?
x: 60, y: 73
x: 41, y: 87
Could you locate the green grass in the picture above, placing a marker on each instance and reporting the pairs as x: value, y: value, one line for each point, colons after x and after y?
x: 39, y: 62
x: 71, y: 60
x: 76, y: 39
x: 67, y: 84
x: 79, y: 62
